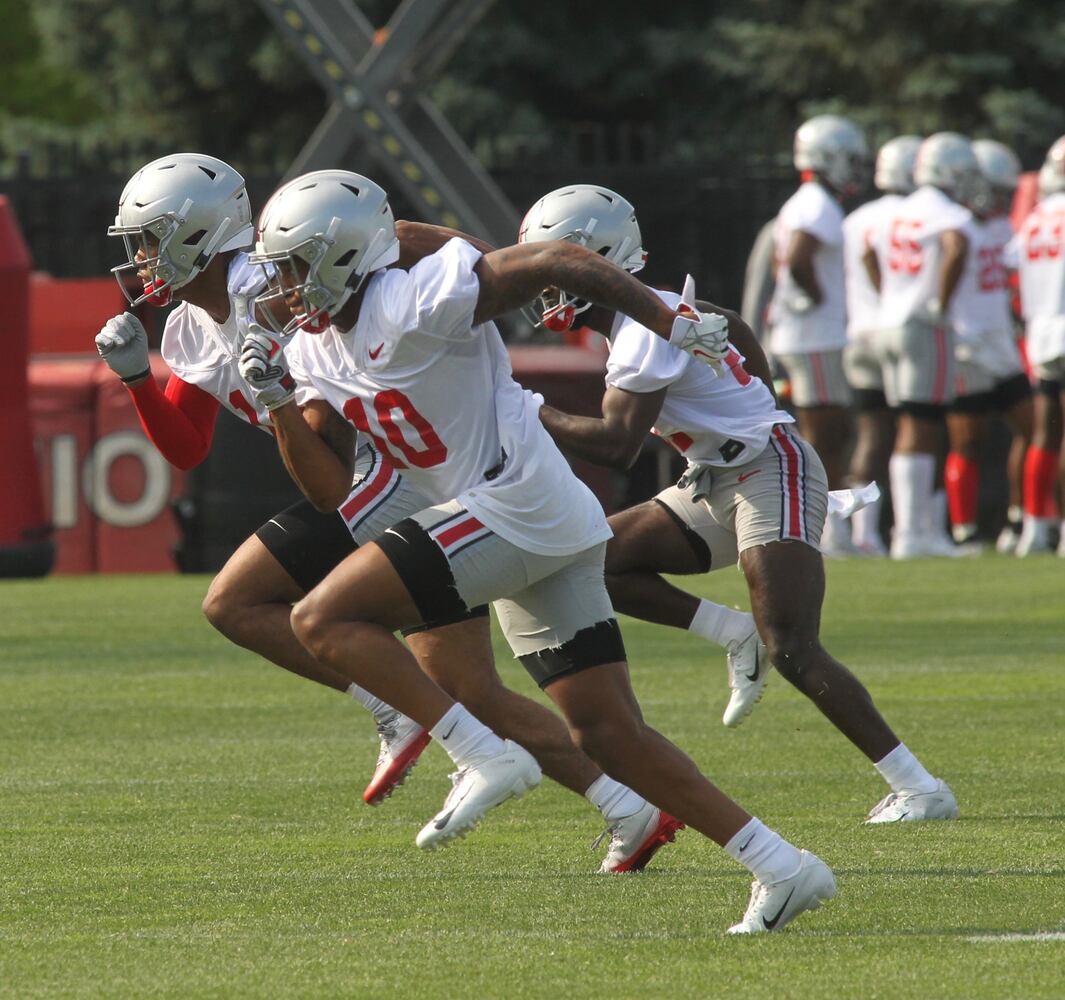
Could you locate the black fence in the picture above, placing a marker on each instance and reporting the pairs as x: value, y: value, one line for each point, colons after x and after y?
x: 699, y: 217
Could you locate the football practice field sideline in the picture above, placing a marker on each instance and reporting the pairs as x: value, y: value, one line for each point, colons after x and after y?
x: 179, y: 818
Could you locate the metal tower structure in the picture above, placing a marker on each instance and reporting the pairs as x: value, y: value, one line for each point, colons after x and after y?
x: 376, y: 80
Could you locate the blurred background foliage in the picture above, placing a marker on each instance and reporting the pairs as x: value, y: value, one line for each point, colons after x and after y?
x: 692, y: 79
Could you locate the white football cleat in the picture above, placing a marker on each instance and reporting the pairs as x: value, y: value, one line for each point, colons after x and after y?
x: 1006, y: 543
x: 908, y: 807
x: 776, y: 905
x: 475, y: 790
x: 635, y: 839
x: 748, y: 671
x: 1034, y: 537
x: 402, y: 742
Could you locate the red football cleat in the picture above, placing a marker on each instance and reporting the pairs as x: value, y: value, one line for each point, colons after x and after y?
x: 402, y: 743
x: 635, y: 839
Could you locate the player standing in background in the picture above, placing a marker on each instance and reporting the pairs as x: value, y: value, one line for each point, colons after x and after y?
x: 186, y: 219
x: 754, y: 493
x: 1038, y: 253
x: 413, y: 357
x: 807, y: 316
x: 989, y: 377
x: 915, y: 259
x: 874, y: 421
x: 759, y: 281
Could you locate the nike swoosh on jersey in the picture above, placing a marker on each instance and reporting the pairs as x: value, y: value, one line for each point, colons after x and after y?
x: 747, y: 475
x: 376, y: 351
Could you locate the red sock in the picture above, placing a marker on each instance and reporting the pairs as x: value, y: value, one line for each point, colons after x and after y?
x: 961, y: 478
x: 1040, y: 476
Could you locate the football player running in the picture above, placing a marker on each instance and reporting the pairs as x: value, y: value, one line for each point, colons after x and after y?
x: 915, y: 260
x: 808, y: 313
x: 1038, y: 254
x: 874, y: 421
x: 412, y: 358
x: 989, y: 377
x: 754, y: 491
x: 186, y: 223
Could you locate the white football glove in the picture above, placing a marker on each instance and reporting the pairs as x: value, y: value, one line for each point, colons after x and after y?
x: 123, y: 344
x: 703, y: 336
x: 263, y: 365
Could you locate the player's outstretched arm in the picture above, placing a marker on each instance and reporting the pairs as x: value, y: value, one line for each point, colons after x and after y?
x: 613, y: 440
x: 513, y: 276
x: 421, y: 239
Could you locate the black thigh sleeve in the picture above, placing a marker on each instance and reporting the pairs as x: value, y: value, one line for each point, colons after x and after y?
x: 307, y: 543
x: 590, y: 647
x: 425, y: 572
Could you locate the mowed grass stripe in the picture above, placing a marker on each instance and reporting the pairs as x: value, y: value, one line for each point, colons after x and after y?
x: 179, y: 819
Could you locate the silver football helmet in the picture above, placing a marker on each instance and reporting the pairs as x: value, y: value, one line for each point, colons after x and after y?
x: 1000, y: 172
x: 594, y: 217
x: 1052, y: 173
x: 834, y: 148
x: 175, y: 214
x: 320, y: 235
x: 894, y: 164
x: 946, y: 161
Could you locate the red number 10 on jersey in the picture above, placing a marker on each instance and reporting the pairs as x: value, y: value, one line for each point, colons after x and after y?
x: 387, y: 404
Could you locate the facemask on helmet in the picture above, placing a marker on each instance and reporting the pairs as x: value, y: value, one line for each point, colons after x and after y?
x: 174, y: 216
x: 834, y: 148
x: 946, y: 161
x: 590, y: 216
x: 1000, y: 172
x: 320, y: 235
x: 894, y: 164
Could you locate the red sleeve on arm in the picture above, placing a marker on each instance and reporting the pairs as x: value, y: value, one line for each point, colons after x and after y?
x: 181, y: 423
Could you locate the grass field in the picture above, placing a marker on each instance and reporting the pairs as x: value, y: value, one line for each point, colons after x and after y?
x: 179, y: 819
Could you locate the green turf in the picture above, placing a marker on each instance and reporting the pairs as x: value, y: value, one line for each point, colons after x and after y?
x: 179, y: 819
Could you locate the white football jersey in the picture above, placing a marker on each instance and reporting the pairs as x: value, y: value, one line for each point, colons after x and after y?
x: 908, y: 249
x: 980, y: 306
x: 711, y: 419
x: 859, y: 228
x: 207, y: 354
x: 823, y: 327
x: 437, y: 397
x: 1038, y: 254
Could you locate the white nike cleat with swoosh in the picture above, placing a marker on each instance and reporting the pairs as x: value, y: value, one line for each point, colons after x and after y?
x: 775, y: 905
x: 748, y: 671
x: 910, y: 807
x: 475, y: 790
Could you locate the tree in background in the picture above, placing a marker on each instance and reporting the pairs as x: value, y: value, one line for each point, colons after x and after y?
x: 692, y: 80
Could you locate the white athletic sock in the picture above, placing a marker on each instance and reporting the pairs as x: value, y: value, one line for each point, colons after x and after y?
x: 764, y: 852
x: 467, y: 741
x: 613, y: 799
x: 911, y: 491
x: 380, y: 710
x: 865, y: 523
x: 720, y: 624
x: 904, y: 772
